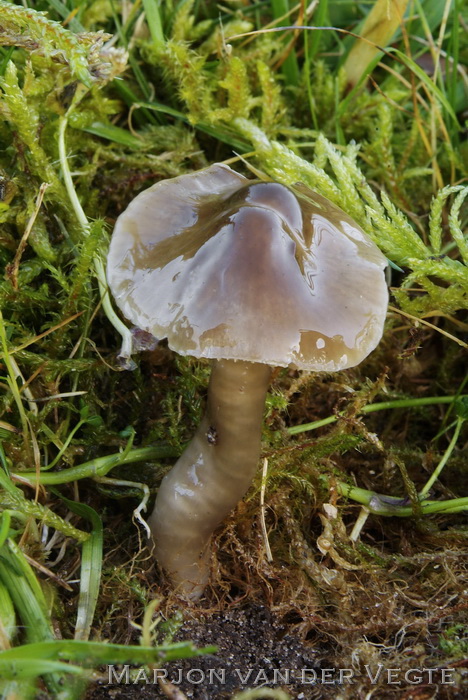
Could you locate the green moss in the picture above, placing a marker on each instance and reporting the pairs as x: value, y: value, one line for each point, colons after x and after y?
x: 454, y: 641
x: 98, y: 129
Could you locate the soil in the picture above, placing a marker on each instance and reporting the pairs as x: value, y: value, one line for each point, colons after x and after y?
x: 257, y: 650
x: 254, y: 649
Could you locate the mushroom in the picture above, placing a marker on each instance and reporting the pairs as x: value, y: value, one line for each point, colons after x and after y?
x: 250, y: 275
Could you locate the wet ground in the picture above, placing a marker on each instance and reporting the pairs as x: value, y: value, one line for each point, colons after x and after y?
x: 254, y: 650
x: 257, y: 651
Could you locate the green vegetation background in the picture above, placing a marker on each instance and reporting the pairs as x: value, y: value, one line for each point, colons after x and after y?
x: 100, y: 99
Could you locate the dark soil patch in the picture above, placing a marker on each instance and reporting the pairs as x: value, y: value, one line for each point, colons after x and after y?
x: 256, y: 650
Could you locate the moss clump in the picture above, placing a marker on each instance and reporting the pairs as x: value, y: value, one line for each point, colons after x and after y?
x: 86, y: 125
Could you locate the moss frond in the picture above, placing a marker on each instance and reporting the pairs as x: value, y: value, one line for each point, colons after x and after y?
x: 33, y: 31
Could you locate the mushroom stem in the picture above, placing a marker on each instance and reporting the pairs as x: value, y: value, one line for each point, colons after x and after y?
x: 212, y: 474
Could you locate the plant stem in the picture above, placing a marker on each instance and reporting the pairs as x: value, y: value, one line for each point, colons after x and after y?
x: 371, y: 408
x: 96, y: 467
x: 11, y: 378
x: 443, y: 461
x: 290, y: 68
x: 390, y: 506
x: 120, y: 327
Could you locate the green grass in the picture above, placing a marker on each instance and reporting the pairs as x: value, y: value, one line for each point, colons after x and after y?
x: 180, y: 88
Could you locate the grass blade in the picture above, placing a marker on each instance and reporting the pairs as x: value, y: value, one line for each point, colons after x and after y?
x: 91, y: 567
x: 153, y: 18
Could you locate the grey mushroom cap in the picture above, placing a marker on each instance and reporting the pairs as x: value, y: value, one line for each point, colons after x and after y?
x: 230, y: 268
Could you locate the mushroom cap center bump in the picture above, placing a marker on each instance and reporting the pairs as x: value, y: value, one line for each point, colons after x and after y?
x: 230, y: 268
